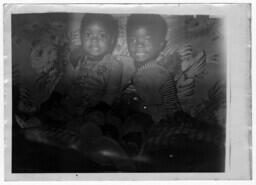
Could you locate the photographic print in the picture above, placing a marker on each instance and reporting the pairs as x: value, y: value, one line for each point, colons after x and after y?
x: 106, y: 92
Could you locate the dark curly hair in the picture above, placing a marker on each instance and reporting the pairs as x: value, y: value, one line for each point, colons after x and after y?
x: 153, y: 22
x: 106, y: 20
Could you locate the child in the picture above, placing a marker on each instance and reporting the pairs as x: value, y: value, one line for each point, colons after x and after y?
x: 153, y: 80
x: 146, y: 39
x: 95, y: 74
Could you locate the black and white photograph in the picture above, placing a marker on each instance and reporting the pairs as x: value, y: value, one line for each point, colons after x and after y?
x: 106, y: 92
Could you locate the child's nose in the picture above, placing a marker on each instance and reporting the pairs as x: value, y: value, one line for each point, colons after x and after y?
x: 95, y: 39
x: 140, y: 42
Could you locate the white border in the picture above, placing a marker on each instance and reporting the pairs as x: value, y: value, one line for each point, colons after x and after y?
x: 238, y: 87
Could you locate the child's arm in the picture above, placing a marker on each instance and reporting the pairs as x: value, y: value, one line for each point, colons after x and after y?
x: 169, y: 96
x: 186, y: 65
x: 40, y: 91
x: 192, y: 68
x: 48, y: 75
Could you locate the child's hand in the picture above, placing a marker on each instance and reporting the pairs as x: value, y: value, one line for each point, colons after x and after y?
x: 185, y: 52
x: 196, y: 65
x: 185, y: 82
x: 175, y: 61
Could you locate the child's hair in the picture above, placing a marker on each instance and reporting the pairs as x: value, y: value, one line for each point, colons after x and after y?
x: 154, y: 22
x: 106, y: 20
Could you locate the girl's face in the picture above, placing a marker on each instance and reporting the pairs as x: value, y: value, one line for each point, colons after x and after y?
x: 143, y: 44
x: 96, y: 41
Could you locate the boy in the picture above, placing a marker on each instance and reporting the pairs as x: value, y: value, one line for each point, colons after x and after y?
x: 152, y: 79
x: 145, y: 40
x: 95, y: 73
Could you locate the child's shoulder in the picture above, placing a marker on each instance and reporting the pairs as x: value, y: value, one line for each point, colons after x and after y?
x: 118, y: 58
x: 76, y: 54
x: 125, y: 62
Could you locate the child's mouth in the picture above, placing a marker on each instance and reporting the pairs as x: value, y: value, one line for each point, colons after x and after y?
x: 140, y: 54
x: 95, y: 50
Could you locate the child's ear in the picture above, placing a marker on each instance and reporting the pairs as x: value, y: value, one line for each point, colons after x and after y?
x: 113, y: 43
x: 163, y: 44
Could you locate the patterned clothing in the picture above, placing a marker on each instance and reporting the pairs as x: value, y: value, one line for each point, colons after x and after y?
x: 155, y: 86
x: 93, y: 81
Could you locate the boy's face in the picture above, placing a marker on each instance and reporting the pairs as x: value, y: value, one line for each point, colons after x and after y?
x: 96, y: 40
x: 144, y: 44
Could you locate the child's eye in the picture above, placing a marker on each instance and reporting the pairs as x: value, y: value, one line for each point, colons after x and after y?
x: 147, y: 38
x: 132, y: 39
x: 103, y: 35
x: 87, y: 34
